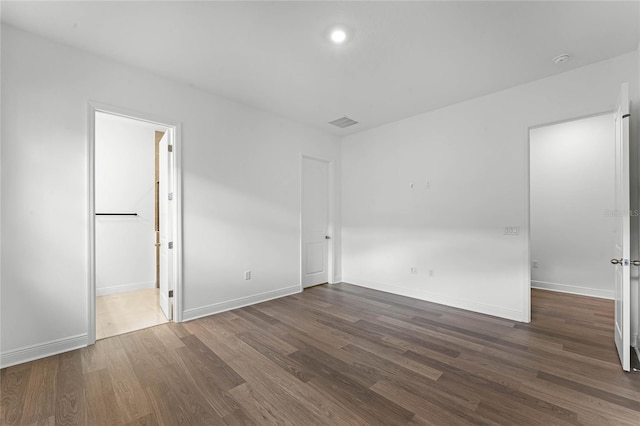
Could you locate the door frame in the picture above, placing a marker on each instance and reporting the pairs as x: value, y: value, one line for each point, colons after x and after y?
x: 331, y: 219
x: 527, y: 210
x: 175, y: 133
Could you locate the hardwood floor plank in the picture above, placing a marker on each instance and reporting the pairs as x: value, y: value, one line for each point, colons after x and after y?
x: 226, y: 377
x: 256, y: 407
x: 388, y: 368
x: 496, y: 391
x: 256, y: 313
x: 102, y: 405
x: 144, y: 366
x: 286, y: 363
x: 168, y: 338
x: 393, y: 356
x: 238, y: 418
x: 148, y: 420
x: 155, y: 348
x: 341, y: 355
x: 13, y: 383
x: 445, y: 339
x: 590, y: 410
x: 326, y: 409
x: 167, y: 408
x: 370, y: 405
x: 408, y: 337
x: 356, y: 370
x: 206, y: 379
x: 185, y: 393
x: 483, y: 337
x: 248, y: 323
x: 132, y: 401
x: 432, y: 413
x: 71, y: 404
x: 632, y: 404
x: 50, y: 421
x: 39, y: 398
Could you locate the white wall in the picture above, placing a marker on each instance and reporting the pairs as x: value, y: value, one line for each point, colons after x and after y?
x: 571, y: 178
x: 124, y: 183
x: 475, y: 156
x: 241, y: 191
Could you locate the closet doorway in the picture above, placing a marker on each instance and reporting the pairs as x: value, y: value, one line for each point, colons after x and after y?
x: 133, y: 224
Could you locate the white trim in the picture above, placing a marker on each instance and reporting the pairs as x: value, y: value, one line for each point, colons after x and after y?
x: 42, y: 350
x: 177, y: 228
x: 526, y: 284
x: 331, y: 225
x: 573, y: 289
x: 124, y: 288
x: 191, y: 314
x: 469, y: 305
x: 175, y: 129
x: 91, y: 224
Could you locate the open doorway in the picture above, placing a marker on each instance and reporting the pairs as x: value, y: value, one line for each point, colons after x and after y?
x: 134, y: 264
x: 572, y: 177
x: 580, y: 211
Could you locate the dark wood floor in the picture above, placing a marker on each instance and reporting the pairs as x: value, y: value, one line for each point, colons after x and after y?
x: 341, y: 355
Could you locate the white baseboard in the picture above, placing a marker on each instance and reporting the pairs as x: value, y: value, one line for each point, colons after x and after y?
x: 191, y: 314
x: 469, y: 305
x: 573, y: 289
x: 124, y: 288
x: 54, y: 347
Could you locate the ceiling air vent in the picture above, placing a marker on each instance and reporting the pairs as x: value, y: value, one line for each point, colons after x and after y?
x: 343, y: 122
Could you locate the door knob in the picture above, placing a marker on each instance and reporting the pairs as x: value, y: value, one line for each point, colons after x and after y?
x: 618, y: 261
x: 326, y: 237
x: 635, y: 262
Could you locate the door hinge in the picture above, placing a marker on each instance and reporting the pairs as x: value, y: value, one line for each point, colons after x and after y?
x: 170, y: 196
x: 170, y: 148
x: 170, y: 293
x: 170, y: 244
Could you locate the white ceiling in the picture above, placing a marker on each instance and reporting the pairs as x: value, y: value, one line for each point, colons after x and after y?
x: 404, y: 58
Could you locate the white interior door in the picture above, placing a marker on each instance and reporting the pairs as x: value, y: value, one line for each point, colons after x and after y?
x: 166, y: 221
x: 315, y: 222
x: 623, y: 232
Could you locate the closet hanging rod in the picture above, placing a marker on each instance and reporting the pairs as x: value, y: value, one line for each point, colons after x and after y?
x: 116, y: 214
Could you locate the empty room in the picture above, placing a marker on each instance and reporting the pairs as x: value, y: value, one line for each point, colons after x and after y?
x: 319, y: 213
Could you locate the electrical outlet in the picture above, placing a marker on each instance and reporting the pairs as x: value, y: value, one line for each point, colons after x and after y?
x: 534, y: 264
x: 431, y: 273
x: 414, y: 270
x: 511, y: 230
x: 247, y: 275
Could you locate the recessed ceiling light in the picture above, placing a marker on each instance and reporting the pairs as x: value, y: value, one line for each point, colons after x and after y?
x: 561, y: 59
x: 338, y: 36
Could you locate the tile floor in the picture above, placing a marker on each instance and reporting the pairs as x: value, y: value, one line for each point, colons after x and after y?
x: 124, y: 312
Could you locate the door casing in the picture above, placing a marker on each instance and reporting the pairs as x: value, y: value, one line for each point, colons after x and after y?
x: 331, y: 221
x: 527, y: 283
x: 175, y: 127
